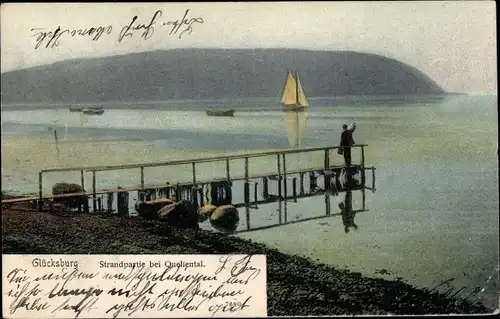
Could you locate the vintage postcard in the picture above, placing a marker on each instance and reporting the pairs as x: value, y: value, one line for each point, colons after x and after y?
x: 240, y: 159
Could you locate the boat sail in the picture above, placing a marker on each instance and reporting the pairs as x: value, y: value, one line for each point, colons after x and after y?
x: 295, y: 105
x: 293, y: 98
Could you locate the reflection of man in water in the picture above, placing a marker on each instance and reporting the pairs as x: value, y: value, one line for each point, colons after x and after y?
x: 346, y: 141
x: 347, y: 212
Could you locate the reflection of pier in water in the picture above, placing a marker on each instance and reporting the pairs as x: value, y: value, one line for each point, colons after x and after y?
x: 247, y: 191
x: 337, y: 181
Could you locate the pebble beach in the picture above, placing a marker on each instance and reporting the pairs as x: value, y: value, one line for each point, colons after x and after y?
x: 295, y: 286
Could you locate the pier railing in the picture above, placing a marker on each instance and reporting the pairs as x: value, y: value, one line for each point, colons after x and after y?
x: 280, y: 165
x: 191, y: 189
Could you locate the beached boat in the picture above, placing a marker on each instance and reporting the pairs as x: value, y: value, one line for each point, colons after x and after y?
x: 293, y: 98
x: 76, y: 108
x: 93, y: 111
x: 220, y: 112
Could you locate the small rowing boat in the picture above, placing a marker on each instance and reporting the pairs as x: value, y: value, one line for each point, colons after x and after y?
x: 220, y: 112
x: 93, y: 111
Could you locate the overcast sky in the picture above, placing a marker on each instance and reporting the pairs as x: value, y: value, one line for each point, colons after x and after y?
x: 452, y: 42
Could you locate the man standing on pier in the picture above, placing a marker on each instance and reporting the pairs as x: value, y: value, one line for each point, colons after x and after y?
x: 346, y: 141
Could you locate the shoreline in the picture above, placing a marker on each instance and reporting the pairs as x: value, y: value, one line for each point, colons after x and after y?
x: 143, y: 103
x: 296, y: 285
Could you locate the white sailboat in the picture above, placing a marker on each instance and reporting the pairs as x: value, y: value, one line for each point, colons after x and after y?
x: 295, y: 108
x: 293, y: 98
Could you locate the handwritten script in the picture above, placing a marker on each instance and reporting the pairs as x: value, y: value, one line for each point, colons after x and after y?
x: 137, y: 27
x: 152, y: 286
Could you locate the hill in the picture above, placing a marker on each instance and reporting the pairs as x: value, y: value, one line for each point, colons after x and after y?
x: 212, y: 74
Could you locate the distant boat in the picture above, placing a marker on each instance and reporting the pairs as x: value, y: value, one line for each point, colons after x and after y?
x: 76, y: 108
x: 293, y: 98
x: 220, y: 112
x: 93, y: 111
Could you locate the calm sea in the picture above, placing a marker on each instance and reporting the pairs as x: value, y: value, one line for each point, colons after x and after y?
x: 433, y: 217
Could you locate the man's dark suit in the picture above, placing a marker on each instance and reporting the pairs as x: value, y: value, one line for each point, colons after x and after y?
x: 346, y: 141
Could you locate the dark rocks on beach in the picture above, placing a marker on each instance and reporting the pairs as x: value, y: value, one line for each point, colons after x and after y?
x: 225, y: 218
x: 205, y: 212
x: 295, y: 285
x: 149, y: 209
x: 68, y: 188
x: 182, y: 214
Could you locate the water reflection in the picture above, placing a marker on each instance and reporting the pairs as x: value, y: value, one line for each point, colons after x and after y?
x: 347, y: 212
x: 347, y: 180
x: 295, y: 126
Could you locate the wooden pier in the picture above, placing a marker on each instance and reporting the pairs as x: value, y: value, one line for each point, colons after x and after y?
x: 283, y: 185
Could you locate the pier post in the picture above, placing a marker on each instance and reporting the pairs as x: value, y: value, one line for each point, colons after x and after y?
x: 363, y: 177
x: 312, y: 182
x: 178, y: 195
x: 327, y: 158
x: 373, y: 179
x: 122, y: 202
x: 247, y: 194
x: 40, y: 191
x: 194, y: 190
x: 110, y: 202
x: 142, y: 177
x: 228, y: 175
x: 255, y: 192
x: 326, y: 176
x: 301, y: 176
x: 86, y: 205
x: 202, y: 199
x: 327, y: 204
x: 285, y: 192
x: 286, y: 211
x: 194, y: 195
x: 212, y: 194
x: 94, y: 203
x: 279, y: 177
x: 82, y: 179
x: 99, y: 204
x: 279, y: 210
x: 294, y: 189
x: 363, y: 194
x: 84, y: 197
x: 194, y: 173
x: 265, y: 187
